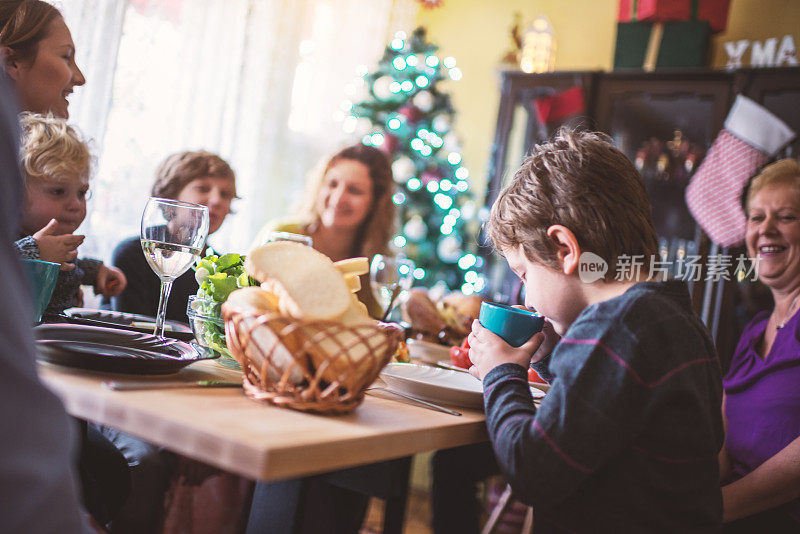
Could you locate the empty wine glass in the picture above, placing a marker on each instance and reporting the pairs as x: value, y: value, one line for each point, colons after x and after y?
x: 173, y: 235
x: 390, y: 276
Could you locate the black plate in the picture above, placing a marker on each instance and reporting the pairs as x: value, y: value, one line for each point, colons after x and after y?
x: 115, y: 319
x: 114, y: 350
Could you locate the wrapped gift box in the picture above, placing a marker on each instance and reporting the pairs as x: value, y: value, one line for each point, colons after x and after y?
x: 715, y: 12
x: 646, y: 45
x: 654, y: 10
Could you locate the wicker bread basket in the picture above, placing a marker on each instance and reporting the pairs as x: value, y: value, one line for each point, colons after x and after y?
x: 315, y: 366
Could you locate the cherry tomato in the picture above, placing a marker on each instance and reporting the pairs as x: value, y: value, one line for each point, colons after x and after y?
x: 460, y: 357
x: 533, y: 376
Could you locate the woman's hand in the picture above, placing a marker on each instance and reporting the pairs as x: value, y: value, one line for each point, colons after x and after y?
x: 110, y: 281
x: 487, y: 350
x: 61, y: 249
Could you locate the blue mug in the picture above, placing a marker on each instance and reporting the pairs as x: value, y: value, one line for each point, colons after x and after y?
x: 42, y: 278
x: 514, y: 325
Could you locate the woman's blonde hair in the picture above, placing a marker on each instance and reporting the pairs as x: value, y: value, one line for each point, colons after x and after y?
x: 378, y: 227
x: 782, y: 172
x: 52, y: 149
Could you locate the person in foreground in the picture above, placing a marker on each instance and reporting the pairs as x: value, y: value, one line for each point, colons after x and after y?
x: 627, y: 438
x: 760, y: 463
x: 38, y: 482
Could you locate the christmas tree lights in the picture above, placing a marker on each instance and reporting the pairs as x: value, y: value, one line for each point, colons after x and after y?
x: 406, y: 113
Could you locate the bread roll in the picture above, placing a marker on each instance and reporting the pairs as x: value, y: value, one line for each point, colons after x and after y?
x: 341, y: 355
x: 249, y: 300
x: 306, y: 282
x: 264, y: 348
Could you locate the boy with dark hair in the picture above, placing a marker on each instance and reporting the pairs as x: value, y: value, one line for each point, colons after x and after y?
x: 626, y: 439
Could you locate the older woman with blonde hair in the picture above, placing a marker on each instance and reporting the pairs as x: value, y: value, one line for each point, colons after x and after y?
x: 347, y: 210
x: 760, y: 461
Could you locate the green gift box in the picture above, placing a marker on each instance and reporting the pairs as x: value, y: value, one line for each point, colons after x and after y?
x: 659, y: 45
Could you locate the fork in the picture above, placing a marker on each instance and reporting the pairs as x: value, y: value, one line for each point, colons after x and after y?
x: 427, y: 404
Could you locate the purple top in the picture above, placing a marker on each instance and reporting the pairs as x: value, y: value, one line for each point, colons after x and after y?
x: 763, y: 398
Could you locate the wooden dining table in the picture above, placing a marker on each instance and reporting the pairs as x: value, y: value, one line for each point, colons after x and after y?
x: 224, y: 428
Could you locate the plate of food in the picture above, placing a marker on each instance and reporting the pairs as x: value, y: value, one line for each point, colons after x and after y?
x: 114, y: 350
x: 445, y: 320
x: 426, y: 351
x: 435, y: 384
x: 126, y: 321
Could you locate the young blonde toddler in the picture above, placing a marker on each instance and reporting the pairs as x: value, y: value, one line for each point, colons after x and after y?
x: 56, y: 163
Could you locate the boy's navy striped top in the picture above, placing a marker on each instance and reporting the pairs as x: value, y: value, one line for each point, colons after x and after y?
x: 626, y: 439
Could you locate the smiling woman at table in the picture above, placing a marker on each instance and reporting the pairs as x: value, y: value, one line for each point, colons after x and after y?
x: 760, y: 462
x: 39, y: 55
x: 347, y: 211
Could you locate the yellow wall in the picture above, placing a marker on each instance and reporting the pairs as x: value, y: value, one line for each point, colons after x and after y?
x: 476, y: 33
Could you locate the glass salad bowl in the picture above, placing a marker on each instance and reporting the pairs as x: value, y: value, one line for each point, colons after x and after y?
x: 209, y: 328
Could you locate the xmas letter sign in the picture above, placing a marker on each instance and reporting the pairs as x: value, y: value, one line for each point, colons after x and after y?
x: 763, y: 54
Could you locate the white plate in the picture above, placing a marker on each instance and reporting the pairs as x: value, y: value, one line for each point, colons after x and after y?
x: 541, y: 386
x: 427, y: 351
x: 437, y: 385
x: 447, y: 364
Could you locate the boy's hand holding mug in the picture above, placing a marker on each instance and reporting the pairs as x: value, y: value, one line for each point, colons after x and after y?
x: 61, y: 249
x: 508, y: 335
x: 110, y: 281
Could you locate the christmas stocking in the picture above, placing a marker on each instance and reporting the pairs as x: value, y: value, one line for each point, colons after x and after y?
x: 751, y: 136
x: 558, y: 107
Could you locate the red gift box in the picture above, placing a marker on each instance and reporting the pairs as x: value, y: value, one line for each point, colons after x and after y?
x: 654, y: 10
x: 715, y: 12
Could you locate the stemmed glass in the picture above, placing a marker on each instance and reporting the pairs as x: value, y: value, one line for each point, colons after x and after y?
x: 287, y: 236
x: 390, y: 276
x: 173, y: 236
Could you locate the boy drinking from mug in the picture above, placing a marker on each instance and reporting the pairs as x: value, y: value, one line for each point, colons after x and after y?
x: 626, y: 439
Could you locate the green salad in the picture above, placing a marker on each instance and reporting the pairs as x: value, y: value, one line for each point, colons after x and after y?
x: 218, y: 277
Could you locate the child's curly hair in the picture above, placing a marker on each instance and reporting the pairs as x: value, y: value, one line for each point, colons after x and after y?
x: 53, y: 149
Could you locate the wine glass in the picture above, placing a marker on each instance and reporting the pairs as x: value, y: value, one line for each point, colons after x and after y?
x: 173, y: 235
x: 287, y: 236
x: 390, y: 275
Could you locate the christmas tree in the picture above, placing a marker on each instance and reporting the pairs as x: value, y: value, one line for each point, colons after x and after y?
x: 407, y: 114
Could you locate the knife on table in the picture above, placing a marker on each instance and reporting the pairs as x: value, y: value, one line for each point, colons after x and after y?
x: 129, y: 386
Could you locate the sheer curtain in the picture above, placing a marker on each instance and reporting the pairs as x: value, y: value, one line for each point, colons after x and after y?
x: 257, y: 81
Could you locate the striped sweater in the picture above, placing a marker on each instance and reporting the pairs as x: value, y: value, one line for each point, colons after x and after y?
x: 627, y: 438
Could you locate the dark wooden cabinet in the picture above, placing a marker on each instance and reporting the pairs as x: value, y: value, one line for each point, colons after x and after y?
x: 636, y: 108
